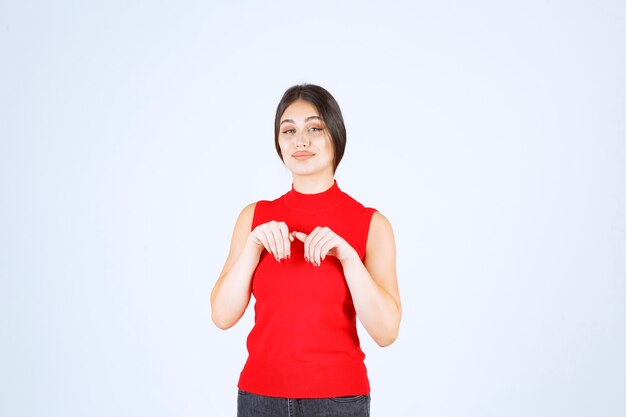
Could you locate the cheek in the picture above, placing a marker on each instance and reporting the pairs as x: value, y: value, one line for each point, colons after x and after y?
x: 285, y: 150
x: 328, y: 147
x: 283, y: 147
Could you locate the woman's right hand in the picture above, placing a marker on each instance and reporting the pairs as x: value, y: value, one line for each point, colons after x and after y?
x: 274, y: 237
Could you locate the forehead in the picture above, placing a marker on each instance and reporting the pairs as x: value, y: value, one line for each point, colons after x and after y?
x: 299, y: 110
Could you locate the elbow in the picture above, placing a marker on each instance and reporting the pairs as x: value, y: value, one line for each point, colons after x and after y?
x: 387, y: 339
x: 218, y: 319
x: 224, y: 316
x: 220, y: 322
x: 391, y: 333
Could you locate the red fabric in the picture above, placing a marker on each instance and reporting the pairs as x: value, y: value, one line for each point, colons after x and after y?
x: 304, y: 342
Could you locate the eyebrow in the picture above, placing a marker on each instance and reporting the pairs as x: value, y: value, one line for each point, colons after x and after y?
x: 305, y: 120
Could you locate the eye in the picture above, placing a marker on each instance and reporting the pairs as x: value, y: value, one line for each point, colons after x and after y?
x: 316, y: 129
x: 288, y: 131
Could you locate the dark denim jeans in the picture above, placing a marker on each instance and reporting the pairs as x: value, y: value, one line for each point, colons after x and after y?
x: 254, y: 405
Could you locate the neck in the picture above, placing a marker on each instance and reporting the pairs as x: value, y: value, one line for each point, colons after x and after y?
x: 312, y: 184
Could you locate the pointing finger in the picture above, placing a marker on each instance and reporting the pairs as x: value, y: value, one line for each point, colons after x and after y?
x: 300, y: 236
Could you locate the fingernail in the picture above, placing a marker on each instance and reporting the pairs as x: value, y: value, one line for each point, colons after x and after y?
x: 306, y: 259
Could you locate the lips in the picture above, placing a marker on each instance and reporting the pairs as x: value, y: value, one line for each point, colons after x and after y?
x: 302, y: 155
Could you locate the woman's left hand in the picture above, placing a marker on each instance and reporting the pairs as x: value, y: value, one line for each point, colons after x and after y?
x: 323, y: 241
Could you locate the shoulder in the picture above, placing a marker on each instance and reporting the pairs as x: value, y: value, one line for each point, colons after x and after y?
x: 380, y: 231
x: 246, y: 215
x: 379, y: 221
x: 248, y: 211
x: 351, y: 201
x: 360, y: 214
x: 259, y: 212
x: 356, y: 208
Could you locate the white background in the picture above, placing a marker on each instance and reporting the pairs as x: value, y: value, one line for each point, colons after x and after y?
x: 491, y: 134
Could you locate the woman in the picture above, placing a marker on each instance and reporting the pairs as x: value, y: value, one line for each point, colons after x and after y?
x: 314, y: 259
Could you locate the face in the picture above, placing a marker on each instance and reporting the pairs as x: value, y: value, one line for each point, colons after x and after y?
x: 304, y: 140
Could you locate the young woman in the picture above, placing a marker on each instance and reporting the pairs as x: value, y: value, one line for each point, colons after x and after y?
x: 314, y: 259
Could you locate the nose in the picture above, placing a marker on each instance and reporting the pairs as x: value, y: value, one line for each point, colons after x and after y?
x: 302, y: 140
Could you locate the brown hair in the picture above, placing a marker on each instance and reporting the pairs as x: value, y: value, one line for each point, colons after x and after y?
x: 328, y: 109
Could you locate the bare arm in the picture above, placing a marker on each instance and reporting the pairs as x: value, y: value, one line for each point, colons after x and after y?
x: 373, y: 283
x: 231, y: 294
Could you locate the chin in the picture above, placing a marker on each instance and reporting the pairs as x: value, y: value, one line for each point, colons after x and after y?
x: 303, y: 170
x: 307, y: 169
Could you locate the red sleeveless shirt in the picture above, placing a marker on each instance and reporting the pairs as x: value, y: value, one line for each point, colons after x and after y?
x: 304, y: 342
